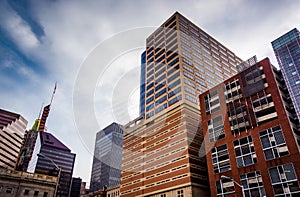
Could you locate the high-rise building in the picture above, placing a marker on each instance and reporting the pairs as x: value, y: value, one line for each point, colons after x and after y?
x: 12, y: 130
x: 142, y: 83
x: 161, y: 148
x: 75, y: 187
x: 106, y: 169
x: 48, y: 151
x: 251, y: 138
x: 287, y: 51
x: 30, y: 137
x: 43, y: 153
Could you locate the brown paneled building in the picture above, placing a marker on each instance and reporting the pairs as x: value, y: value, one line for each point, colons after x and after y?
x: 251, y: 134
x: 161, y: 148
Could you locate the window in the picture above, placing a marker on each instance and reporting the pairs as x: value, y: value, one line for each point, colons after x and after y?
x: 273, y: 143
x: 174, y: 100
x: 216, y: 129
x: 158, y: 109
x: 192, y: 99
x: 162, y: 99
x: 189, y: 90
x: 8, y: 190
x: 253, y: 184
x: 189, y: 83
x: 220, y: 159
x: 173, y: 92
x: 244, y: 151
x: 172, y: 85
x: 149, y: 99
x: 212, y: 102
x: 284, y: 180
x: 45, y: 194
x: 180, y: 193
x: 36, y: 193
x: 225, y: 187
x: 149, y: 107
x: 26, y: 192
x: 173, y: 77
x: 150, y: 114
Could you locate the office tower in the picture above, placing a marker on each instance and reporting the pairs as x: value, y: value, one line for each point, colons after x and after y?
x: 251, y: 140
x: 142, y: 83
x: 12, y: 130
x: 75, y: 187
x: 161, y: 147
x: 48, y: 152
x: 287, y: 51
x: 29, y: 141
x: 106, y: 169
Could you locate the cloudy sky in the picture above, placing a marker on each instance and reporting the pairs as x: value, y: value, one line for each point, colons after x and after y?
x: 92, y: 50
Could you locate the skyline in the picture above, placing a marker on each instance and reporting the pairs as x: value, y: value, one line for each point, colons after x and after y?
x: 39, y: 48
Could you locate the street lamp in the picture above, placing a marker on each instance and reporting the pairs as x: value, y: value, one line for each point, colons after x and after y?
x: 56, y: 166
x: 241, y: 186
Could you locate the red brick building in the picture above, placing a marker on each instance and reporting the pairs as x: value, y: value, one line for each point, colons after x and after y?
x: 251, y: 134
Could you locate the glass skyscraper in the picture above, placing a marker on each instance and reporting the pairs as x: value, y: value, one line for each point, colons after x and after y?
x: 106, y: 170
x: 142, y: 83
x: 287, y: 51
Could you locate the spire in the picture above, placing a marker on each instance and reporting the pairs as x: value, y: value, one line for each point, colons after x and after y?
x: 54, y: 90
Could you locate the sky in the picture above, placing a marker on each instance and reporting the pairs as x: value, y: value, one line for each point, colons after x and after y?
x: 92, y: 50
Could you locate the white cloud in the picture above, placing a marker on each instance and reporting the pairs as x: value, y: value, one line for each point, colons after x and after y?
x: 18, y: 29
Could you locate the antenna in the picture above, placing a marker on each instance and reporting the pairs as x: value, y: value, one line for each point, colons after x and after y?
x: 54, y: 90
x: 41, y: 110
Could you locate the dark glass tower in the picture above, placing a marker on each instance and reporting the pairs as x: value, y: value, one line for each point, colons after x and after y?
x: 287, y: 51
x: 142, y: 82
x: 53, y: 149
x: 106, y: 170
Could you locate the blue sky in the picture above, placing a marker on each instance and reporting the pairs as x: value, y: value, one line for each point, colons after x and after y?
x: 42, y: 42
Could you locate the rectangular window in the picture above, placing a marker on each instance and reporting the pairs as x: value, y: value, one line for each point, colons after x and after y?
x: 225, y: 187
x: 253, y: 184
x: 174, y: 92
x: 273, y: 143
x: 174, y: 84
x: 160, y: 93
x: 162, y: 99
x: 26, y: 192
x: 284, y: 180
x: 212, y: 102
x: 174, y: 100
x: 149, y: 99
x: 180, y: 193
x: 220, y: 159
x: 244, y: 151
x: 216, y: 129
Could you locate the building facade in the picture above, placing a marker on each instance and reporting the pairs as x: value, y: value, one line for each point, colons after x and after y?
x: 12, y: 130
x: 106, y: 169
x: 142, y: 83
x: 29, y: 140
x: 23, y: 184
x: 287, y: 51
x: 75, y: 187
x: 161, y: 147
x: 54, y: 151
x: 251, y: 137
